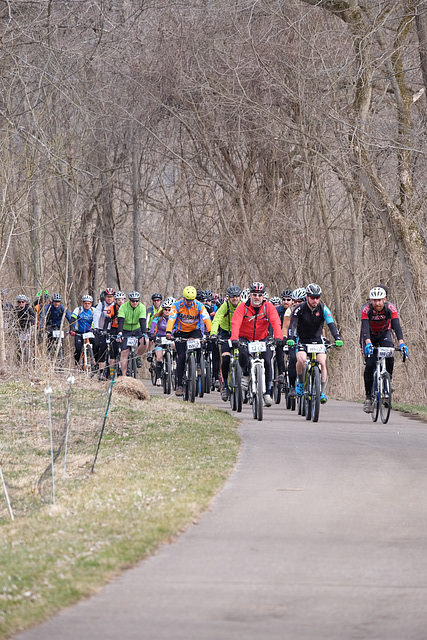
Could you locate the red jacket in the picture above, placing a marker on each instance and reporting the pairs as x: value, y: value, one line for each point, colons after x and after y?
x: 245, y: 323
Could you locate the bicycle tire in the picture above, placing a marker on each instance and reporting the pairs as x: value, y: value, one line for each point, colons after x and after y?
x: 201, y: 379
x: 277, y: 387
x: 385, y: 397
x: 90, y: 361
x: 208, y: 373
x: 238, y: 387
x: 153, y: 372
x: 374, y: 396
x: 231, y: 389
x: 307, y: 398
x: 300, y: 402
x: 134, y: 369
x: 167, y: 373
x: 257, y: 399
x: 315, y: 394
x: 192, y: 378
x: 293, y: 404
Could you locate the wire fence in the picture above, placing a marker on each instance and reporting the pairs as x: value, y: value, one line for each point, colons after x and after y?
x: 49, y: 438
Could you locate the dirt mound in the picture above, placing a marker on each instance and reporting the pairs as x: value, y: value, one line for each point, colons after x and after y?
x: 132, y: 388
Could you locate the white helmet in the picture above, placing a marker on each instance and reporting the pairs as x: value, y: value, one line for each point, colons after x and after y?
x: 168, y: 302
x: 377, y: 293
x: 87, y: 298
x: 244, y: 296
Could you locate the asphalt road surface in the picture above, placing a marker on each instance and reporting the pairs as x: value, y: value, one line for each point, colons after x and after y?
x: 320, y: 533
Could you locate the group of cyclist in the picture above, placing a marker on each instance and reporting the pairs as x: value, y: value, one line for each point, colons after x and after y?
x: 294, y: 319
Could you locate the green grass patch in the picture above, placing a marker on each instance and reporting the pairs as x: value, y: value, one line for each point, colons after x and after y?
x: 414, y: 409
x: 159, y: 465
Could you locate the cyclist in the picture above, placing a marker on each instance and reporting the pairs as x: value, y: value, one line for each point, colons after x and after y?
x: 132, y: 318
x: 222, y: 325
x: 24, y: 314
x: 158, y: 330
x: 379, y: 318
x: 307, y: 322
x: 111, y: 318
x: 155, y: 308
x: 82, y: 321
x: 100, y: 311
x: 297, y: 297
x: 250, y: 322
x: 52, y: 317
x: 184, y: 321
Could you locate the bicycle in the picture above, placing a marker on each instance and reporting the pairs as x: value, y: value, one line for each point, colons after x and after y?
x: 190, y: 371
x: 132, y: 342
x: 256, y: 387
x: 167, y: 363
x: 56, y: 344
x: 235, y: 382
x: 207, y: 355
x: 381, y: 386
x: 309, y: 402
x: 23, y: 350
x: 87, y: 360
x: 290, y: 400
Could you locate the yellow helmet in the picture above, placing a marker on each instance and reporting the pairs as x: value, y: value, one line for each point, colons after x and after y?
x: 189, y: 293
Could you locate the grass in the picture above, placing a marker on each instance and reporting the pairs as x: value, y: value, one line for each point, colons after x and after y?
x: 160, y: 464
x: 413, y: 409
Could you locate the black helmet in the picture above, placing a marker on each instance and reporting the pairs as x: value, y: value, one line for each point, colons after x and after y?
x: 233, y: 290
x: 157, y: 296
x: 286, y: 293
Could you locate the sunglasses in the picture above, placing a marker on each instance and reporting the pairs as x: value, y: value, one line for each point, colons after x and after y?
x: 314, y: 297
x: 257, y: 295
x: 287, y: 299
x: 21, y: 301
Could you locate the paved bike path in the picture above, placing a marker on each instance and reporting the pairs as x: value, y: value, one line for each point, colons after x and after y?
x: 320, y: 533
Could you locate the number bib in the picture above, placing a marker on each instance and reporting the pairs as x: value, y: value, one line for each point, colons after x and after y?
x: 193, y: 344
x: 316, y: 348
x: 132, y: 341
x: 257, y: 347
x: 385, y: 352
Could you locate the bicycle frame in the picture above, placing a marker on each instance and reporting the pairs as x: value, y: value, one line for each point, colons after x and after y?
x: 381, y: 386
x: 309, y: 403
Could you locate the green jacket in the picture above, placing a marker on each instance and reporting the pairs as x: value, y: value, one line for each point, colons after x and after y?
x: 132, y: 316
x: 223, y: 317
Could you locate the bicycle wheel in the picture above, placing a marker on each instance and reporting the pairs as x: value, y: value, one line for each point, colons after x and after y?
x: 133, y: 369
x: 385, y: 397
x: 89, y: 360
x: 153, y: 372
x: 208, y: 375
x: 375, y: 399
x: 300, y: 401
x: 192, y: 378
x: 257, y: 398
x: 307, y: 398
x: 231, y: 388
x: 238, y: 394
x: 277, y: 387
x: 315, y: 394
x: 201, y: 378
x: 167, y: 373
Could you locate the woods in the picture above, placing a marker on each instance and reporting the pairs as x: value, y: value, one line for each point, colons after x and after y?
x: 147, y: 146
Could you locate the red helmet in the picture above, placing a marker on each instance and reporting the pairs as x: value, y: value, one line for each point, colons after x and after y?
x: 257, y: 287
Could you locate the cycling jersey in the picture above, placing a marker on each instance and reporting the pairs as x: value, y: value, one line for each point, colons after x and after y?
x: 308, y: 323
x: 186, y: 319
x: 52, y: 316
x: 378, y: 323
x: 132, y: 318
x: 158, y: 326
x: 253, y: 322
x: 111, y: 317
x: 84, y: 319
x: 223, y: 316
x: 25, y: 317
x: 100, y: 313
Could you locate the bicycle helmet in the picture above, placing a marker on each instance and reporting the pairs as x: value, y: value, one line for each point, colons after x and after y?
x: 189, y: 293
x: 134, y: 295
x: 286, y: 293
x: 275, y: 300
x: 42, y: 294
x: 208, y: 295
x: 313, y: 289
x: 244, y: 296
x: 21, y: 298
x: 257, y: 287
x: 120, y: 295
x: 266, y: 295
x: 377, y: 293
x: 233, y: 290
x: 168, y: 302
x: 157, y: 296
x: 200, y: 295
x: 56, y: 297
x: 87, y: 298
x: 109, y: 291
x: 219, y: 301
x: 299, y: 294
